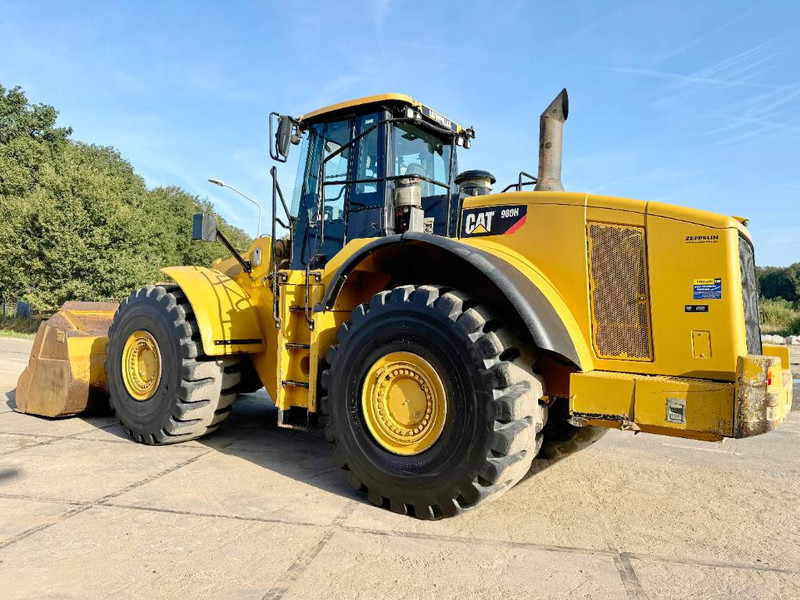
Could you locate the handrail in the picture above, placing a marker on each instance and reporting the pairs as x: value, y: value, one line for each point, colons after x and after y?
x: 519, y: 185
x: 277, y: 194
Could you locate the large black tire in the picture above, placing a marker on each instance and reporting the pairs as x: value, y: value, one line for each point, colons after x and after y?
x: 195, y: 392
x: 562, y: 439
x: 494, y: 412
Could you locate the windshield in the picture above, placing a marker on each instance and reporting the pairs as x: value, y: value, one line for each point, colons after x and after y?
x: 418, y: 152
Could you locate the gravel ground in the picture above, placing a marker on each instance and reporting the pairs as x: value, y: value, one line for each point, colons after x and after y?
x: 259, y: 512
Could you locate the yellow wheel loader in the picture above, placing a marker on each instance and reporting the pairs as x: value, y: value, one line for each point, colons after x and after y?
x: 442, y: 334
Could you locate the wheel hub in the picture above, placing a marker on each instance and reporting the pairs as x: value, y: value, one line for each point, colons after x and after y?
x: 141, y: 365
x: 404, y: 403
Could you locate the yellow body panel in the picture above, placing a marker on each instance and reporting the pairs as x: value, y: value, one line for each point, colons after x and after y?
x: 550, y: 289
x: 553, y: 245
x: 259, y: 289
x: 688, y: 406
x: 603, y: 393
x: 227, y: 318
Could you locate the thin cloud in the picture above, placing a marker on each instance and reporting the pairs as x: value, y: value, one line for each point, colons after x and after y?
x: 380, y: 9
x: 705, y: 37
x: 692, y: 79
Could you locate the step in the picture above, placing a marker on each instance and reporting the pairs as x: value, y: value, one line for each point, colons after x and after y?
x: 293, y: 383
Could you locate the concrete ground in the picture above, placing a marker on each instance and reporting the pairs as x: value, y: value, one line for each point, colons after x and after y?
x: 259, y: 512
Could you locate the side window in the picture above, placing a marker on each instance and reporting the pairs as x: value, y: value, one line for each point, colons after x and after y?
x: 368, y: 154
x: 300, y: 181
x: 304, y: 201
x: 336, y: 135
x: 418, y: 152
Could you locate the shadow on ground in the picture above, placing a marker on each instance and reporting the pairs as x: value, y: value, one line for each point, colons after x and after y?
x: 251, y: 433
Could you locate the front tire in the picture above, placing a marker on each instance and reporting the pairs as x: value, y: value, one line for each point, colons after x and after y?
x: 421, y: 339
x: 162, y: 387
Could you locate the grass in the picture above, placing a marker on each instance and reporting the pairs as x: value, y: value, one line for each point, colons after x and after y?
x: 779, y: 316
x: 17, y: 327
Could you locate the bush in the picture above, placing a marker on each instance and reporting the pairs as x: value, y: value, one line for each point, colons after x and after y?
x: 794, y: 328
x: 779, y: 316
x: 16, y: 326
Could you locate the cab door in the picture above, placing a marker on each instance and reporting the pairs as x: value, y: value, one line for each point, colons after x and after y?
x: 353, y: 188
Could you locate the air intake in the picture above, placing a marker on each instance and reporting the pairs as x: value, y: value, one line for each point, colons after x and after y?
x: 619, y: 295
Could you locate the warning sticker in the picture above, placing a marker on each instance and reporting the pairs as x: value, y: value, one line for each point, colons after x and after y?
x: 497, y: 220
x: 707, y: 289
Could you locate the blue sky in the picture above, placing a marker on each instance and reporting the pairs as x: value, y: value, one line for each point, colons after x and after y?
x: 693, y: 103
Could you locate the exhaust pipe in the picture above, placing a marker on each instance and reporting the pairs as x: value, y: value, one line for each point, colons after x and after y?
x: 551, y: 135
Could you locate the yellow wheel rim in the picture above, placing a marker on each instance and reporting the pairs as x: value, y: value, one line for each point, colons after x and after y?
x: 141, y: 365
x: 404, y: 403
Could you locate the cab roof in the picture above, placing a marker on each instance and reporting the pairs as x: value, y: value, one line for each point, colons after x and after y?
x: 382, y: 99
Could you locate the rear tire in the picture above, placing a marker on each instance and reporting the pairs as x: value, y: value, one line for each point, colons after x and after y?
x: 194, y: 393
x: 562, y: 439
x: 494, y: 417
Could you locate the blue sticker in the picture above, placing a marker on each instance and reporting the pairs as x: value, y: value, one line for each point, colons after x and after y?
x: 707, y: 289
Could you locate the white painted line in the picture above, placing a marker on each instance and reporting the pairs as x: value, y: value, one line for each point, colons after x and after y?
x: 696, y: 448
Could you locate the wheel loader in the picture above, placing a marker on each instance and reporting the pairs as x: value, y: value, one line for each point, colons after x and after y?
x: 442, y: 334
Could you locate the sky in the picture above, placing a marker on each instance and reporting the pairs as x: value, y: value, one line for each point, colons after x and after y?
x: 695, y: 103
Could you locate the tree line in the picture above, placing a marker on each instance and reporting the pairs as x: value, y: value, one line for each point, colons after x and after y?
x: 76, y: 221
x: 780, y: 282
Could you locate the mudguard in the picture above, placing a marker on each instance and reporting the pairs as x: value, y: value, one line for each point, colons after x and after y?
x: 548, y: 326
x: 227, y: 319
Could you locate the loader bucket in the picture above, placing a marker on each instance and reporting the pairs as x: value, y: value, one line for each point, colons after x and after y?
x: 66, y: 371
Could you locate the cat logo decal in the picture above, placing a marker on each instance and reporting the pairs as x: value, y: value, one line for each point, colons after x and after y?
x: 498, y: 220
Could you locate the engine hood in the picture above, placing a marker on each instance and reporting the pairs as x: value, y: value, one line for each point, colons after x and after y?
x: 651, y: 208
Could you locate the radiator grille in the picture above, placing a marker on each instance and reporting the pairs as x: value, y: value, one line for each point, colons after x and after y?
x: 752, y: 325
x: 619, y: 296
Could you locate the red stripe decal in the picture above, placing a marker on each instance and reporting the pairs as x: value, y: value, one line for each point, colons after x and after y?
x: 517, y: 225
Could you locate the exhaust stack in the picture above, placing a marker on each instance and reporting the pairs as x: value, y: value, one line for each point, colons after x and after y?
x: 551, y: 135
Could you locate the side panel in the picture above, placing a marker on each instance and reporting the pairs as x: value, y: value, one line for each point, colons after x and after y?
x: 694, y: 291
x: 227, y: 318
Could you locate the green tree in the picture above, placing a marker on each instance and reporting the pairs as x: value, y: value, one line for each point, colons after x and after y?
x: 76, y: 222
x: 780, y: 282
x: 30, y: 142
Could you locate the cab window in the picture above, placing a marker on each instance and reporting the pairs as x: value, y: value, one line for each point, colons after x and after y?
x: 418, y: 152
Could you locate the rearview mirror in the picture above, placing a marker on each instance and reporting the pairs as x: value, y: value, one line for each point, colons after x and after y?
x: 204, y: 228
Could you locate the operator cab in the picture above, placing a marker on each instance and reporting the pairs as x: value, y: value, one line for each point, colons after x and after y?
x: 371, y: 167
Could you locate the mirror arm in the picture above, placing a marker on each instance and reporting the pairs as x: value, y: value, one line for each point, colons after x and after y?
x: 245, y: 263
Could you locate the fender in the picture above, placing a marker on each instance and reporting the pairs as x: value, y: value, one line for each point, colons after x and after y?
x: 227, y: 319
x: 550, y: 328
